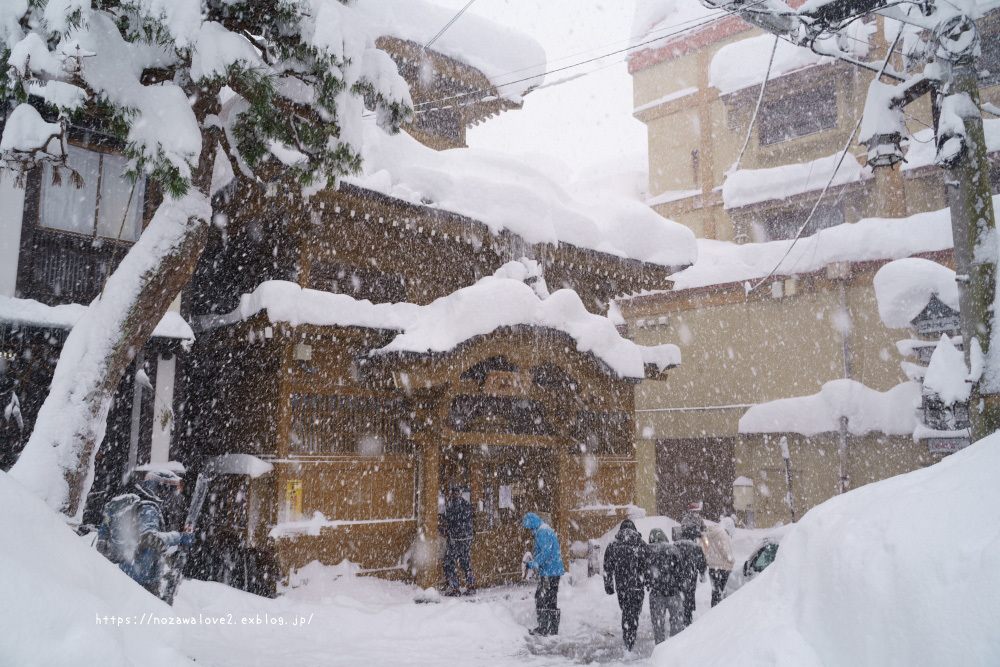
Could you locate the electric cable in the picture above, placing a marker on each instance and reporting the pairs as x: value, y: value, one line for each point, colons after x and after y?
x: 826, y: 188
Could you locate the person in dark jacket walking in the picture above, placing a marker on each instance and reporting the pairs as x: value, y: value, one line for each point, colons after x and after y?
x: 458, y: 549
x: 547, y: 562
x: 626, y: 563
x: 663, y: 581
x: 693, y: 567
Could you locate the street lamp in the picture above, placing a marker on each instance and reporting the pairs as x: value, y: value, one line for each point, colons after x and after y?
x: 884, y: 150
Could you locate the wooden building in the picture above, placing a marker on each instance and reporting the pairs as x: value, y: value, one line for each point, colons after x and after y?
x: 370, y: 438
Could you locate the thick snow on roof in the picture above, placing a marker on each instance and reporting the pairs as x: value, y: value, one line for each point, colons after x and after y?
x: 504, y: 192
x: 503, y: 54
x: 898, y: 572
x: 904, y: 287
x: 721, y: 262
x: 659, y: 18
x: 33, y: 313
x: 490, y: 304
x: 892, y: 412
x: 751, y: 186
x: 744, y: 63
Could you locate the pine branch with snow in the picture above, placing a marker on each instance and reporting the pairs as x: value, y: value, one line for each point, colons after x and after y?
x: 197, y: 92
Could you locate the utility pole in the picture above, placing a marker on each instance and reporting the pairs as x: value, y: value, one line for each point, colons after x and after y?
x: 973, y: 220
x: 961, y: 144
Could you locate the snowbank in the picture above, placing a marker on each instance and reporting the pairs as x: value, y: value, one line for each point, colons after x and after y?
x: 904, y: 287
x: 892, y: 412
x: 744, y: 63
x: 501, y: 53
x: 504, y: 192
x: 36, y: 314
x: 490, y: 304
x: 721, y: 262
x: 900, y: 572
x: 751, y: 186
x: 55, y: 593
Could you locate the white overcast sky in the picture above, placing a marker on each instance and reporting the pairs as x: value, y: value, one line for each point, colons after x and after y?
x: 587, y: 123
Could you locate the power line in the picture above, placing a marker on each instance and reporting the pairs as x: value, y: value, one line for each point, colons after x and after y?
x: 686, y: 28
x: 833, y: 175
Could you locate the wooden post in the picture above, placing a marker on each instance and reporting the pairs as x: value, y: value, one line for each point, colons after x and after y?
x: 561, y: 502
x: 426, y: 558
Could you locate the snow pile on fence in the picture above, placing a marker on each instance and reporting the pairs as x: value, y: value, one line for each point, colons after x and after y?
x: 503, y: 54
x: 752, y: 186
x: 506, y: 193
x: 892, y: 412
x: 57, y: 593
x: 490, y: 304
x: 899, y: 572
x: 904, y: 287
x: 871, y: 239
x: 32, y: 313
x: 744, y: 63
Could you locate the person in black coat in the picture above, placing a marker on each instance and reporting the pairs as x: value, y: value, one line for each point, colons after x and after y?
x: 626, y: 563
x: 663, y: 580
x: 692, y: 567
x: 458, y: 550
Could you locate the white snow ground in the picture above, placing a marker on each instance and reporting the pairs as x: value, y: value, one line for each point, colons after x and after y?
x: 904, y: 571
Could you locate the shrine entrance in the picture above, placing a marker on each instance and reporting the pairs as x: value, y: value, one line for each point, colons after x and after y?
x: 503, y: 483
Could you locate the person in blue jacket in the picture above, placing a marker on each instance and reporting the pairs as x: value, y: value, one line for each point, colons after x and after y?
x: 138, y: 533
x: 547, y: 561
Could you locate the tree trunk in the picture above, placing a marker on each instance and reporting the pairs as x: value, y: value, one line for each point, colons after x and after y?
x: 58, y: 461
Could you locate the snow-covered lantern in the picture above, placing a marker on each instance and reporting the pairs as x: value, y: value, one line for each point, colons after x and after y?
x: 937, y: 317
x: 743, y: 493
x: 884, y: 150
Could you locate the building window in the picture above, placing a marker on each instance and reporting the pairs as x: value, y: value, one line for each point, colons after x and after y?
x: 784, y: 224
x: 812, y: 111
x: 97, y: 207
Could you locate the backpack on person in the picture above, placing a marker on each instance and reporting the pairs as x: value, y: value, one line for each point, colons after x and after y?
x: 119, y: 536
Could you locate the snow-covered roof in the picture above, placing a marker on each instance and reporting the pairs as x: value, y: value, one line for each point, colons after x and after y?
x: 33, y: 313
x: 744, y: 63
x: 871, y: 239
x: 903, y: 288
x: 506, y: 193
x: 490, y: 304
x: 654, y: 18
x: 891, y: 412
x: 503, y: 54
x: 752, y: 186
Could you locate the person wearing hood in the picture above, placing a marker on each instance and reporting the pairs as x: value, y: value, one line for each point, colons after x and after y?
x: 626, y: 563
x: 663, y: 581
x: 693, y: 567
x: 547, y: 562
x: 715, y: 542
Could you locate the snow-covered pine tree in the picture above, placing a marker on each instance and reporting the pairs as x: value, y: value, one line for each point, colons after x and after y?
x: 199, y: 92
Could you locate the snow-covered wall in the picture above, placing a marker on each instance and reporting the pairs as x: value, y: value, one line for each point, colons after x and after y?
x: 744, y: 63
